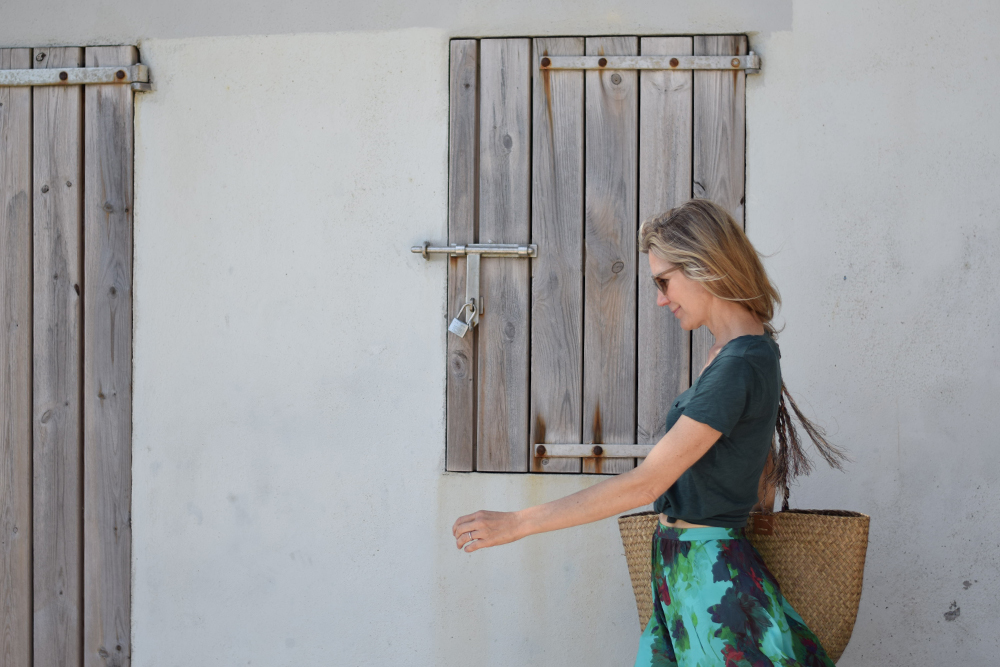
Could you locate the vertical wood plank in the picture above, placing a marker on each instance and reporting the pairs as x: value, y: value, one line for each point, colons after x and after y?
x: 107, y: 374
x: 462, y: 182
x: 557, y: 273
x: 609, y: 373
x: 665, y: 145
x: 504, y: 207
x: 15, y: 365
x: 58, y: 311
x: 719, y: 146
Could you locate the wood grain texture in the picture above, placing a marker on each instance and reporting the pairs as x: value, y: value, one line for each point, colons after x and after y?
x: 609, y: 371
x: 719, y: 146
x: 504, y: 211
x: 107, y: 367
x: 462, y: 184
x: 58, y: 311
x: 15, y: 365
x: 557, y: 273
x: 665, y: 145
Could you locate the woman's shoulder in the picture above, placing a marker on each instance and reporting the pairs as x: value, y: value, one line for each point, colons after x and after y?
x: 752, y: 345
x: 761, y: 352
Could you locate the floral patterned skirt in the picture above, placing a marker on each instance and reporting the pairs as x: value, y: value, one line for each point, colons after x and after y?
x: 716, y: 604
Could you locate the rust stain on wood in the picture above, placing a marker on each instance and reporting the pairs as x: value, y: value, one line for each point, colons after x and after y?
x: 547, y: 84
x: 538, y: 438
x: 598, y: 439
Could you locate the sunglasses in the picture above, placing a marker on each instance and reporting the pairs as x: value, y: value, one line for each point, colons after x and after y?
x: 661, y: 282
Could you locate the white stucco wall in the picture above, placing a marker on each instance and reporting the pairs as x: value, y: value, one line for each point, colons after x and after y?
x: 289, y: 504
x: 289, y: 500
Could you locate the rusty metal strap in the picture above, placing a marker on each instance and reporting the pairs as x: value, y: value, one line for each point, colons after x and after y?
x: 750, y: 62
x: 71, y: 76
x: 588, y: 451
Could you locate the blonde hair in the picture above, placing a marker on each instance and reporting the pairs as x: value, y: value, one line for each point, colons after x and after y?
x: 709, y: 246
x: 706, y: 243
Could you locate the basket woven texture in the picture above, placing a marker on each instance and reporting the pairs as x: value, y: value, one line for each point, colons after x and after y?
x: 817, y: 556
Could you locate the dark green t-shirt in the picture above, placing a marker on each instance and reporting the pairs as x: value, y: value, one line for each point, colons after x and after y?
x: 738, y: 395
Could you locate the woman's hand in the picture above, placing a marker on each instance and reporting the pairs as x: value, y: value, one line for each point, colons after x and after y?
x: 486, y: 529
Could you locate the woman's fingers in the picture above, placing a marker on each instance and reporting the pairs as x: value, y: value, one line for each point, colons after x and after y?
x: 468, y: 542
x: 458, y: 529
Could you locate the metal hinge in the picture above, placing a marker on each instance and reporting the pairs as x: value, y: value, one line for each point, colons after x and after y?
x: 135, y: 75
x: 750, y: 62
x: 472, y: 252
x: 591, y: 451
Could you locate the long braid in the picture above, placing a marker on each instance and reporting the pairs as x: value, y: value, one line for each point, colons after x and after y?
x: 789, y: 459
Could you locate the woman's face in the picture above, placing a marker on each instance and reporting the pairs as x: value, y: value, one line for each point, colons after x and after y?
x: 687, y: 299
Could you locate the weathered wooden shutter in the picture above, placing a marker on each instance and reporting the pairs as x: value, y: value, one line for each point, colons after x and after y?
x: 66, y: 374
x: 571, y: 348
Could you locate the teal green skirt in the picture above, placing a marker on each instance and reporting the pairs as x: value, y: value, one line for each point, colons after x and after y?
x: 716, y: 604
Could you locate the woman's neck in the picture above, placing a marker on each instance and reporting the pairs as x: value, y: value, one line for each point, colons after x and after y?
x: 729, y: 320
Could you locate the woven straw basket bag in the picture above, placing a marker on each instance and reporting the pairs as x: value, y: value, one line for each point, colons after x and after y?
x: 817, y: 556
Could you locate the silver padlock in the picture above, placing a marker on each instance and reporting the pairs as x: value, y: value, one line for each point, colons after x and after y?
x: 457, y: 326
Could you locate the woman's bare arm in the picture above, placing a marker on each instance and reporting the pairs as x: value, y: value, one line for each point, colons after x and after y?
x: 676, y: 451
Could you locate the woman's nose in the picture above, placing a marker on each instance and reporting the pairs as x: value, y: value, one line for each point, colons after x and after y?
x: 661, y: 300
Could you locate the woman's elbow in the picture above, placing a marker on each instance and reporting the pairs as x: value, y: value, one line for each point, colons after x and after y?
x: 647, y: 488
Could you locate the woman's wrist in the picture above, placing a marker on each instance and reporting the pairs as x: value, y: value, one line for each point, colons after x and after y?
x: 523, y: 522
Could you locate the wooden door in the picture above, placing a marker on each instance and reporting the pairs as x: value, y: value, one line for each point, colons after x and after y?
x: 571, y: 347
x: 66, y: 373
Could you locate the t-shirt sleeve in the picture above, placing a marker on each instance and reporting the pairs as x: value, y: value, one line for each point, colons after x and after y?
x: 722, y: 394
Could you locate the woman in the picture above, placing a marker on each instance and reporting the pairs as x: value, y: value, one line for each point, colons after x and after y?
x: 715, y: 603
